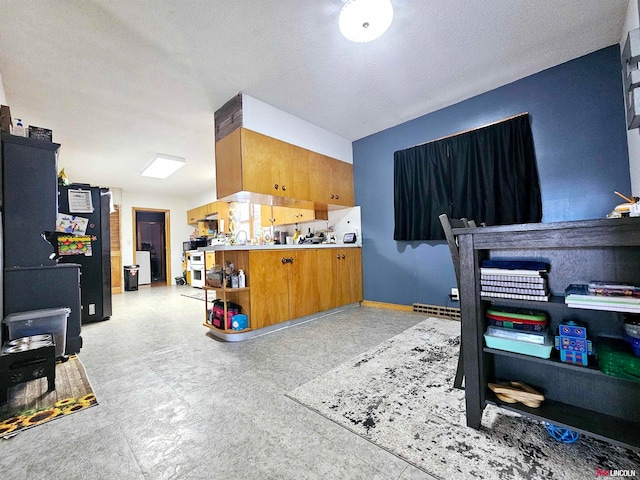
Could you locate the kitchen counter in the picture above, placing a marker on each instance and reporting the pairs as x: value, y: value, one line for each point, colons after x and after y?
x: 226, y: 248
x: 283, y: 284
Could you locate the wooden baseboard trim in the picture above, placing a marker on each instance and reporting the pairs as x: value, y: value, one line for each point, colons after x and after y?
x: 116, y: 290
x: 388, y: 306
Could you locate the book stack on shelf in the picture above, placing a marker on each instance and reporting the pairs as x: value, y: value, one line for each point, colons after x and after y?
x: 515, y: 279
x: 614, y: 297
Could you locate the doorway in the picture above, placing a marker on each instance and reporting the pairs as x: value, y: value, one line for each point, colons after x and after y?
x: 152, y: 234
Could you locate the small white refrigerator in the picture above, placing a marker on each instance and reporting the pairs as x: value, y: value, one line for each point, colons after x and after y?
x: 143, y: 259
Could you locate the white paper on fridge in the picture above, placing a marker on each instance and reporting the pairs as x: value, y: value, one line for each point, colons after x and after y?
x: 80, y: 201
x: 71, y: 224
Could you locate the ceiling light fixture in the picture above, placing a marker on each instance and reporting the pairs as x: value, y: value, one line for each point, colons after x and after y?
x: 365, y: 20
x: 162, y: 166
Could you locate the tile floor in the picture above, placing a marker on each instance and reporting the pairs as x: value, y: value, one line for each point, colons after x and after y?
x: 175, y: 403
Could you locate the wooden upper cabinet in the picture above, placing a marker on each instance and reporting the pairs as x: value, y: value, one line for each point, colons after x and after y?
x: 286, y: 215
x: 330, y: 180
x: 200, y: 213
x: 251, y: 162
x: 247, y: 161
x: 273, y: 167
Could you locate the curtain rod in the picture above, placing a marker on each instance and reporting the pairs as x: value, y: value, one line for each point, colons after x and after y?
x: 472, y: 129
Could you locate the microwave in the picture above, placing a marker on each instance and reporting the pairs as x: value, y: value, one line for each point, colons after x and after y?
x: 194, y: 244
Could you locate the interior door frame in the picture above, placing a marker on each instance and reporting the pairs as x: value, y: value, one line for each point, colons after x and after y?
x: 167, y: 236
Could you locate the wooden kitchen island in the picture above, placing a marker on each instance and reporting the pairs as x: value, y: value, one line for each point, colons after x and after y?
x: 287, y: 284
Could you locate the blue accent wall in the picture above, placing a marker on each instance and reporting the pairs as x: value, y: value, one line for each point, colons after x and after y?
x: 579, y: 130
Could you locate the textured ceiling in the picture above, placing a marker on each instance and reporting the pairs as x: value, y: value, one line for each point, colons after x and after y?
x: 118, y: 80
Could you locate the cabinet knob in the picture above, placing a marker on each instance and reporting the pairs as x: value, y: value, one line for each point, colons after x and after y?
x: 283, y: 260
x: 338, y: 257
x: 284, y: 187
x: 337, y: 197
x: 332, y: 195
x: 275, y: 185
x: 343, y: 257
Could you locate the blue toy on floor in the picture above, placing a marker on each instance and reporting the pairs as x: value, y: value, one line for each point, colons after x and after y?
x: 572, y: 343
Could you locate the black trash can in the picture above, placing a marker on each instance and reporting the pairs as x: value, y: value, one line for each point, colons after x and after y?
x: 131, y: 277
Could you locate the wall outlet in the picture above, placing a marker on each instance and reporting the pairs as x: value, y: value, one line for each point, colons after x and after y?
x: 454, y: 294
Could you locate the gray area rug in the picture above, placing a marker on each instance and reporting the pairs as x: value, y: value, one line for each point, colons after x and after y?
x: 199, y: 294
x: 399, y: 396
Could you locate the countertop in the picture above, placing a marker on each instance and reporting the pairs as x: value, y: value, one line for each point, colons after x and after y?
x: 219, y: 248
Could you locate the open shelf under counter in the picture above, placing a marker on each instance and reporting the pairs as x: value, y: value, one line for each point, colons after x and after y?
x: 594, y: 424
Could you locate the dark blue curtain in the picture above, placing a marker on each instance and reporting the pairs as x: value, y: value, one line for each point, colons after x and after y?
x: 487, y: 175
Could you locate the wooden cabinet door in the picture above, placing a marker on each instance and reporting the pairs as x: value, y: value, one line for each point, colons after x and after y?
x: 330, y: 180
x: 353, y: 263
x: 269, y: 288
x: 303, y: 289
x: 326, y: 278
x: 261, y: 161
x: 320, y: 178
x: 342, y: 185
x: 229, y: 164
x: 348, y: 276
x: 192, y: 216
x: 294, y: 172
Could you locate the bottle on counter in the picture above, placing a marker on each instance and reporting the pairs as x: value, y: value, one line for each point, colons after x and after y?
x: 18, y: 128
x: 296, y: 236
x: 241, y: 279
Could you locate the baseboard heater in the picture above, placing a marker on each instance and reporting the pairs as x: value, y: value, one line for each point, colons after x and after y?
x: 437, y: 311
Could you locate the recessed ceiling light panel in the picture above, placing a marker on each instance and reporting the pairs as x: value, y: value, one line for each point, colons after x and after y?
x: 162, y: 166
x: 365, y: 20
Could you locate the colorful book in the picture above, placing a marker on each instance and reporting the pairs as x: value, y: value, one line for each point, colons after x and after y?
x: 613, y: 289
x: 580, y: 293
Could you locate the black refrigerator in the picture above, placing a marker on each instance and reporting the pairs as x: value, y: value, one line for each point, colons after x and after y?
x: 83, y: 237
x: 29, y: 192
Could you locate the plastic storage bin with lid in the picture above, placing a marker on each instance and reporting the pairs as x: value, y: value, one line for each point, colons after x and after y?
x: 35, y: 322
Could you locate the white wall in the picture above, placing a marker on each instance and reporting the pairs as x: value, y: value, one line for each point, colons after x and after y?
x: 269, y: 120
x: 201, y: 199
x: 180, y: 231
x: 3, y: 98
x: 633, y: 136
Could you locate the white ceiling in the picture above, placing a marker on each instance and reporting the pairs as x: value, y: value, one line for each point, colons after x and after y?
x: 119, y: 80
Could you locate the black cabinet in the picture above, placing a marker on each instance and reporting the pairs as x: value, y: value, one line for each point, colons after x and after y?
x: 580, y: 398
x: 31, y: 278
x: 29, y: 199
x: 34, y: 288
